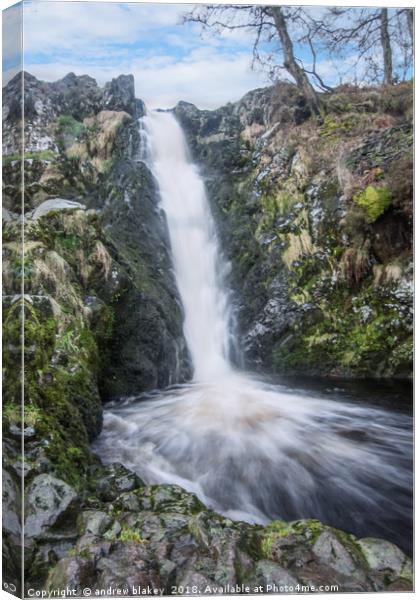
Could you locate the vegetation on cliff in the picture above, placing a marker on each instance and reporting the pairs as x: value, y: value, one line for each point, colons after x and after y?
x: 317, y: 222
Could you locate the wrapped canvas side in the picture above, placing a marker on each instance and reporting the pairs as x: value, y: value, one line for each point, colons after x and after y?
x: 14, y: 429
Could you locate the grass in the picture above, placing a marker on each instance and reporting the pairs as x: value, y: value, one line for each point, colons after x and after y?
x: 41, y: 155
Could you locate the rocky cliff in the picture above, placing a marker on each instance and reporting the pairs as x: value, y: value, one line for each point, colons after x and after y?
x: 82, y: 145
x: 315, y: 219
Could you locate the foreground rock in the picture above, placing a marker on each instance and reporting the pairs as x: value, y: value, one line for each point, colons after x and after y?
x: 164, y: 538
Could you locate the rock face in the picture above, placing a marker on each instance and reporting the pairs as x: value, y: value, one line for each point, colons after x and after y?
x: 72, y: 96
x: 163, y: 537
x: 320, y: 256
x: 50, y: 502
x: 316, y: 219
x: 82, y: 144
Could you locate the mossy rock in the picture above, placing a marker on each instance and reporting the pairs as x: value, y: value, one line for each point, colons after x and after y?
x: 374, y: 200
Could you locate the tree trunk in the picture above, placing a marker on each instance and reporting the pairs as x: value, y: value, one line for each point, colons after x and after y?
x: 290, y: 63
x: 410, y: 22
x: 386, y: 47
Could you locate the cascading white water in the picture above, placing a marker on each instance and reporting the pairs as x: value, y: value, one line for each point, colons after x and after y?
x: 198, y: 265
x: 250, y: 449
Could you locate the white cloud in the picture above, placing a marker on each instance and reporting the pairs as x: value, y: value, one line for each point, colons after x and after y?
x: 206, y: 79
x: 203, y: 78
x: 81, y: 26
x: 170, y: 62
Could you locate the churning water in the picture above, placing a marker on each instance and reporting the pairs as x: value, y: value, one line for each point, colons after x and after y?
x: 250, y: 449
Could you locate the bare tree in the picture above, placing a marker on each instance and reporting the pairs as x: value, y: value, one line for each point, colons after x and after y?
x: 367, y: 30
x: 409, y: 12
x: 290, y: 63
x: 267, y: 23
x: 386, y: 46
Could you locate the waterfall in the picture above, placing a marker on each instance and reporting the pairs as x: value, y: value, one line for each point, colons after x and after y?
x: 200, y: 270
x: 249, y: 448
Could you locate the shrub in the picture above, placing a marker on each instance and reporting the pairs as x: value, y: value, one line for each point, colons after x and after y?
x: 355, y: 264
x: 68, y: 125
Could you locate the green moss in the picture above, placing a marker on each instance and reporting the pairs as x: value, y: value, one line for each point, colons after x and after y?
x: 39, y: 341
x: 75, y: 452
x: 9, y: 158
x: 307, y: 531
x: 333, y: 126
x: 67, y: 242
x: 62, y: 394
x: 374, y: 200
x: 130, y: 535
x: 23, y: 268
x: 13, y: 414
x: 106, y: 166
x: 274, y: 205
x: 75, y: 552
x: 352, y: 334
x: 70, y: 126
x: 272, y: 532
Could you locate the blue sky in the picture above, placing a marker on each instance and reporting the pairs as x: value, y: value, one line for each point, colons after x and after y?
x: 170, y: 61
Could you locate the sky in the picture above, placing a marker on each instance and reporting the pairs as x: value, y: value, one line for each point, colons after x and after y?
x: 170, y: 61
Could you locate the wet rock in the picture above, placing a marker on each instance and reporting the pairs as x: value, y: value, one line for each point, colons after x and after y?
x: 8, y: 215
x: 166, y: 543
x: 42, y: 557
x: 132, y: 502
x: 11, y: 519
x: 94, y: 522
x: 400, y: 585
x: 128, y: 565
x: 331, y: 552
x: 74, y: 573
x: 269, y: 575
x: 383, y: 556
x: 191, y: 578
x: 116, y: 480
x: 51, y: 504
x: 119, y: 94
x: 93, y: 546
x: 173, y: 498
x: 11, y: 505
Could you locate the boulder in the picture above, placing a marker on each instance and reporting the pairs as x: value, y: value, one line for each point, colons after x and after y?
x: 116, y: 479
x: 51, y: 507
